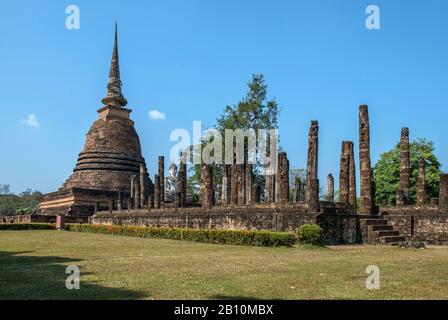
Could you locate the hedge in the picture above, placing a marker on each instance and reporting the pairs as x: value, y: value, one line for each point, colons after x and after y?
x: 246, y: 238
x: 310, y: 234
x: 26, y: 226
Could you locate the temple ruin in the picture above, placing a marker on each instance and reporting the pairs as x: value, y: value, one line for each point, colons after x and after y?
x: 110, y: 185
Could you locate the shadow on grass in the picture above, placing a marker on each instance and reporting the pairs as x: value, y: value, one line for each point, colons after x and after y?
x: 25, y: 277
x: 224, y: 297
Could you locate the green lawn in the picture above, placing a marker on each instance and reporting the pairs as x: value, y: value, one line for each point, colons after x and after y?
x: 33, y: 263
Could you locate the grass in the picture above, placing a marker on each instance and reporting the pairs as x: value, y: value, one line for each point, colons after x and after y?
x: 33, y: 263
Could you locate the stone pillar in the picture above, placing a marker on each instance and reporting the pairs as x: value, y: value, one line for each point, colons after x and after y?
x: 111, y: 206
x: 129, y: 205
x: 96, y: 208
x: 119, y: 201
x: 443, y: 194
x: 352, y: 178
x: 60, y: 222
x: 132, y: 191
x: 157, y: 192
x: 405, y: 164
x: 142, y: 186
x: 234, y: 180
x: 182, y: 181
x: 161, y: 174
x: 250, y: 184
x: 206, y: 186
x: 298, y: 193
x: 434, y: 202
x: 330, y: 185
x: 421, y: 184
x: 344, y: 173
x: 283, y: 178
x: 241, y: 184
x: 150, y: 203
x: 269, y: 189
x: 313, y: 196
x: 177, y: 200
x: 225, y: 192
x: 312, y: 182
x: 400, y: 198
x: 367, y: 203
x: 137, y: 194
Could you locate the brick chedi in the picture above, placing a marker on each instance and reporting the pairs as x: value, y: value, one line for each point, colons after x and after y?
x: 312, y: 181
x: 111, y: 155
x: 367, y: 201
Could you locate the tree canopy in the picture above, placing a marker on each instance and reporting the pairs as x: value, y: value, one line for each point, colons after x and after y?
x: 387, y: 171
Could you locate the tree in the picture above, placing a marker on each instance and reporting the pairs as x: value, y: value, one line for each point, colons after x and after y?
x: 26, y: 202
x: 4, y: 189
x: 254, y: 111
x: 387, y: 171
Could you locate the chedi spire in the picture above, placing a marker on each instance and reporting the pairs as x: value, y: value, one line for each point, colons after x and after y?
x: 114, y: 96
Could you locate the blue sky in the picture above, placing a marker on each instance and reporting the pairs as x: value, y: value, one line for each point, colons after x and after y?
x: 189, y: 59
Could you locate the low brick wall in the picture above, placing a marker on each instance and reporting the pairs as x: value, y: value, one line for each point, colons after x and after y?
x: 338, y: 228
x: 36, y: 218
x: 430, y: 228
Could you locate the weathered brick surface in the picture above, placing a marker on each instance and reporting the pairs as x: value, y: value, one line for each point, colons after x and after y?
x: 367, y: 201
x: 421, y: 183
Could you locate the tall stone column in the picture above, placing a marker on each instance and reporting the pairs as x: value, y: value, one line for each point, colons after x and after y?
x: 344, y: 173
x: 234, y: 180
x: 405, y: 164
x: 421, y: 184
x: 283, y: 178
x: 142, y: 186
x: 250, y: 196
x: 119, y: 201
x: 269, y: 189
x: 298, y: 191
x: 182, y: 181
x: 330, y: 185
x: 443, y: 194
x: 352, y: 178
x: 367, y: 203
x: 206, y: 186
x: 225, y: 192
x: 241, y: 184
x: 161, y: 174
x: 157, y: 198
x: 137, y: 194
x: 312, y: 182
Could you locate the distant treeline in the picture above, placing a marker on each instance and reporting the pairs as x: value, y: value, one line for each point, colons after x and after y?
x: 26, y: 202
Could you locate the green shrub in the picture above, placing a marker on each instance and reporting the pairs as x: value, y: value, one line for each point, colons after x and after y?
x: 246, y: 238
x: 26, y: 226
x: 311, y: 234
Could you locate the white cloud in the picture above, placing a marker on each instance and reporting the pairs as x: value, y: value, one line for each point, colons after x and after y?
x: 156, y: 115
x: 31, y: 121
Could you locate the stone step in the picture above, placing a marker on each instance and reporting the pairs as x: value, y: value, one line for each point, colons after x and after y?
x: 376, y: 222
x: 392, y: 239
x: 382, y: 228
x: 388, y: 233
